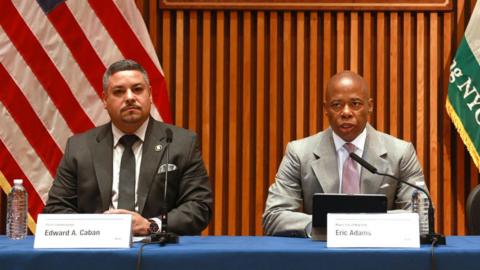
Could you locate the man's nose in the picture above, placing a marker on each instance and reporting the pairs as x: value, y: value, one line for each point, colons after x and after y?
x: 129, y: 94
x: 346, y: 111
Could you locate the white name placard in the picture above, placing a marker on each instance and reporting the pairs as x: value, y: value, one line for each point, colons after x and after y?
x: 83, y: 231
x: 373, y: 230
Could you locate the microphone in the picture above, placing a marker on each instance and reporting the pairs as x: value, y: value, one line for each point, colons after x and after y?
x: 431, y: 237
x: 164, y: 237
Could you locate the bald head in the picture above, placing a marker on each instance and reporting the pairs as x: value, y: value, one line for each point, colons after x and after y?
x: 347, y: 104
x: 347, y: 80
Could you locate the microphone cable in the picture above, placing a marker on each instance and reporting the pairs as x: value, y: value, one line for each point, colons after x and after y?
x: 432, y: 254
x: 140, y: 252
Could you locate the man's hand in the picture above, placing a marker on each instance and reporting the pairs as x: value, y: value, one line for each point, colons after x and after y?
x: 140, y: 225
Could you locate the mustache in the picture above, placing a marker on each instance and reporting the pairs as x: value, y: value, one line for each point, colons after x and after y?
x: 131, y: 107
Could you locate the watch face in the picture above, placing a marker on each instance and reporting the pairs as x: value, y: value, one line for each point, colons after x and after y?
x: 154, y: 227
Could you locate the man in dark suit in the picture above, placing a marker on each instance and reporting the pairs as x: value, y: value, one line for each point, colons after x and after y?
x: 92, y: 179
x: 317, y: 164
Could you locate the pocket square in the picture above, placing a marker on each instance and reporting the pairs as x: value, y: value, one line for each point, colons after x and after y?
x: 385, y: 185
x: 163, y: 168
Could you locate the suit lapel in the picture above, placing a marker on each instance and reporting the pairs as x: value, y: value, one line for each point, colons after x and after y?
x: 103, y: 163
x: 326, y: 160
x: 152, y: 153
x: 374, y: 153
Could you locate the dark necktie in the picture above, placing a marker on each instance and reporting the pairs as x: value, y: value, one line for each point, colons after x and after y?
x: 126, y: 186
x: 351, y: 177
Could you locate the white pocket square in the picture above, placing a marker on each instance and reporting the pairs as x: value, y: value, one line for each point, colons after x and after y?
x: 385, y: 185
x: 163, y: 168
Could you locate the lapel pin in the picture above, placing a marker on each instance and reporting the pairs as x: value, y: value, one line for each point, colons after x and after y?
x: 158, y: 147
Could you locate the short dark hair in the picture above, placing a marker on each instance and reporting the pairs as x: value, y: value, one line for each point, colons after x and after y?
x: 122, y: 65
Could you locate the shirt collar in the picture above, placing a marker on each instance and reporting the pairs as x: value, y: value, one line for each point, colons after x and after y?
x: 359, y: 141
x: 140, y: 132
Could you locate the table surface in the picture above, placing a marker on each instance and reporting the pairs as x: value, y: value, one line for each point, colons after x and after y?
x: 248, y: 252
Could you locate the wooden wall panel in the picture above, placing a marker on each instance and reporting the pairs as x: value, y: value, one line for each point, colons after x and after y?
x: 261, y: 128
x: 207, y: 93
x: 460, y: 153
x: 448, y: 185
x: 249, y: 81
x: 433, y: 5
x: 328, y: 59
x: 367, y: 44
x: 379, y: 81
x: 407, y: 85
x: 217, y: 173
x: 313, y: 70
x: 247, y: 139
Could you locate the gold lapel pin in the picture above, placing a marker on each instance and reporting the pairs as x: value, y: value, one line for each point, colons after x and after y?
x: 158, y: 147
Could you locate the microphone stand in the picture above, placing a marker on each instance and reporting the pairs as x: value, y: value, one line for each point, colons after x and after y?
x: 163, y: 237
x: 431, y: 237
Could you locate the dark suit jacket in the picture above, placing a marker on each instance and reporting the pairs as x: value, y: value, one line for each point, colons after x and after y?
x: 84, y: 177
x: 310, y: 166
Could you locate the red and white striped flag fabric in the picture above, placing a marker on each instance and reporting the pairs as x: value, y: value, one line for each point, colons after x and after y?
x: 53, y: 55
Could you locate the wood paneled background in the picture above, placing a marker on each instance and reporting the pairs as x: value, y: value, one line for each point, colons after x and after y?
x: 250, y: 80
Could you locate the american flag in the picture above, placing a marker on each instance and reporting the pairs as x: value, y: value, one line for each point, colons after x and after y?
x: 53, y: 55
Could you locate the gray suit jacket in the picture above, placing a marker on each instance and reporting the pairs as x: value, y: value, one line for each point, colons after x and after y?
x: 310, y: 166
x: 84, y: 177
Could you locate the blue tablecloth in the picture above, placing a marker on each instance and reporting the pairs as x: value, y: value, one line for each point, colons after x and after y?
x: 242, y: 253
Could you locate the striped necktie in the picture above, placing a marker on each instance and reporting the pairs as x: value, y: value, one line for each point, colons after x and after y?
x: 350, y: 175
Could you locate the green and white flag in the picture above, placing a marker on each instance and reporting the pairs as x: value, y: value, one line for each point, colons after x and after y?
x: 463, y: 101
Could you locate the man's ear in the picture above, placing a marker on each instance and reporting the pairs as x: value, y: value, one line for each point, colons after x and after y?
x: 104, y: 99
x: 151, y: 96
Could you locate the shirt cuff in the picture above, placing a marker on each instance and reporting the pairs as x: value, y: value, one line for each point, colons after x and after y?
x: 308, y: 230
x: 158, y: 221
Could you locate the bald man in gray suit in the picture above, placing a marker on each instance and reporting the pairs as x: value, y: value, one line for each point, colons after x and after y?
x: 315, y: 164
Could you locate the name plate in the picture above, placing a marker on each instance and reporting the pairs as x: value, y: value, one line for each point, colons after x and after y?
x: 83, y: 231
x: 373, y: 230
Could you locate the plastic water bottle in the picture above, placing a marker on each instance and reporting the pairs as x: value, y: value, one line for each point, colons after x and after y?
x: 420, y: 206
x: 17, y: 211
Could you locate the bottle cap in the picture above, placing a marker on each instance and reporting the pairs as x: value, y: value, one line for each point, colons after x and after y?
x: 18, y: 181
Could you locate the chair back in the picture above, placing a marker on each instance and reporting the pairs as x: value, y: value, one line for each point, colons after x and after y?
x: 473, y: 211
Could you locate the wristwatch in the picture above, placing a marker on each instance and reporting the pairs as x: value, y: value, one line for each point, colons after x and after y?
x: 153, y: 228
